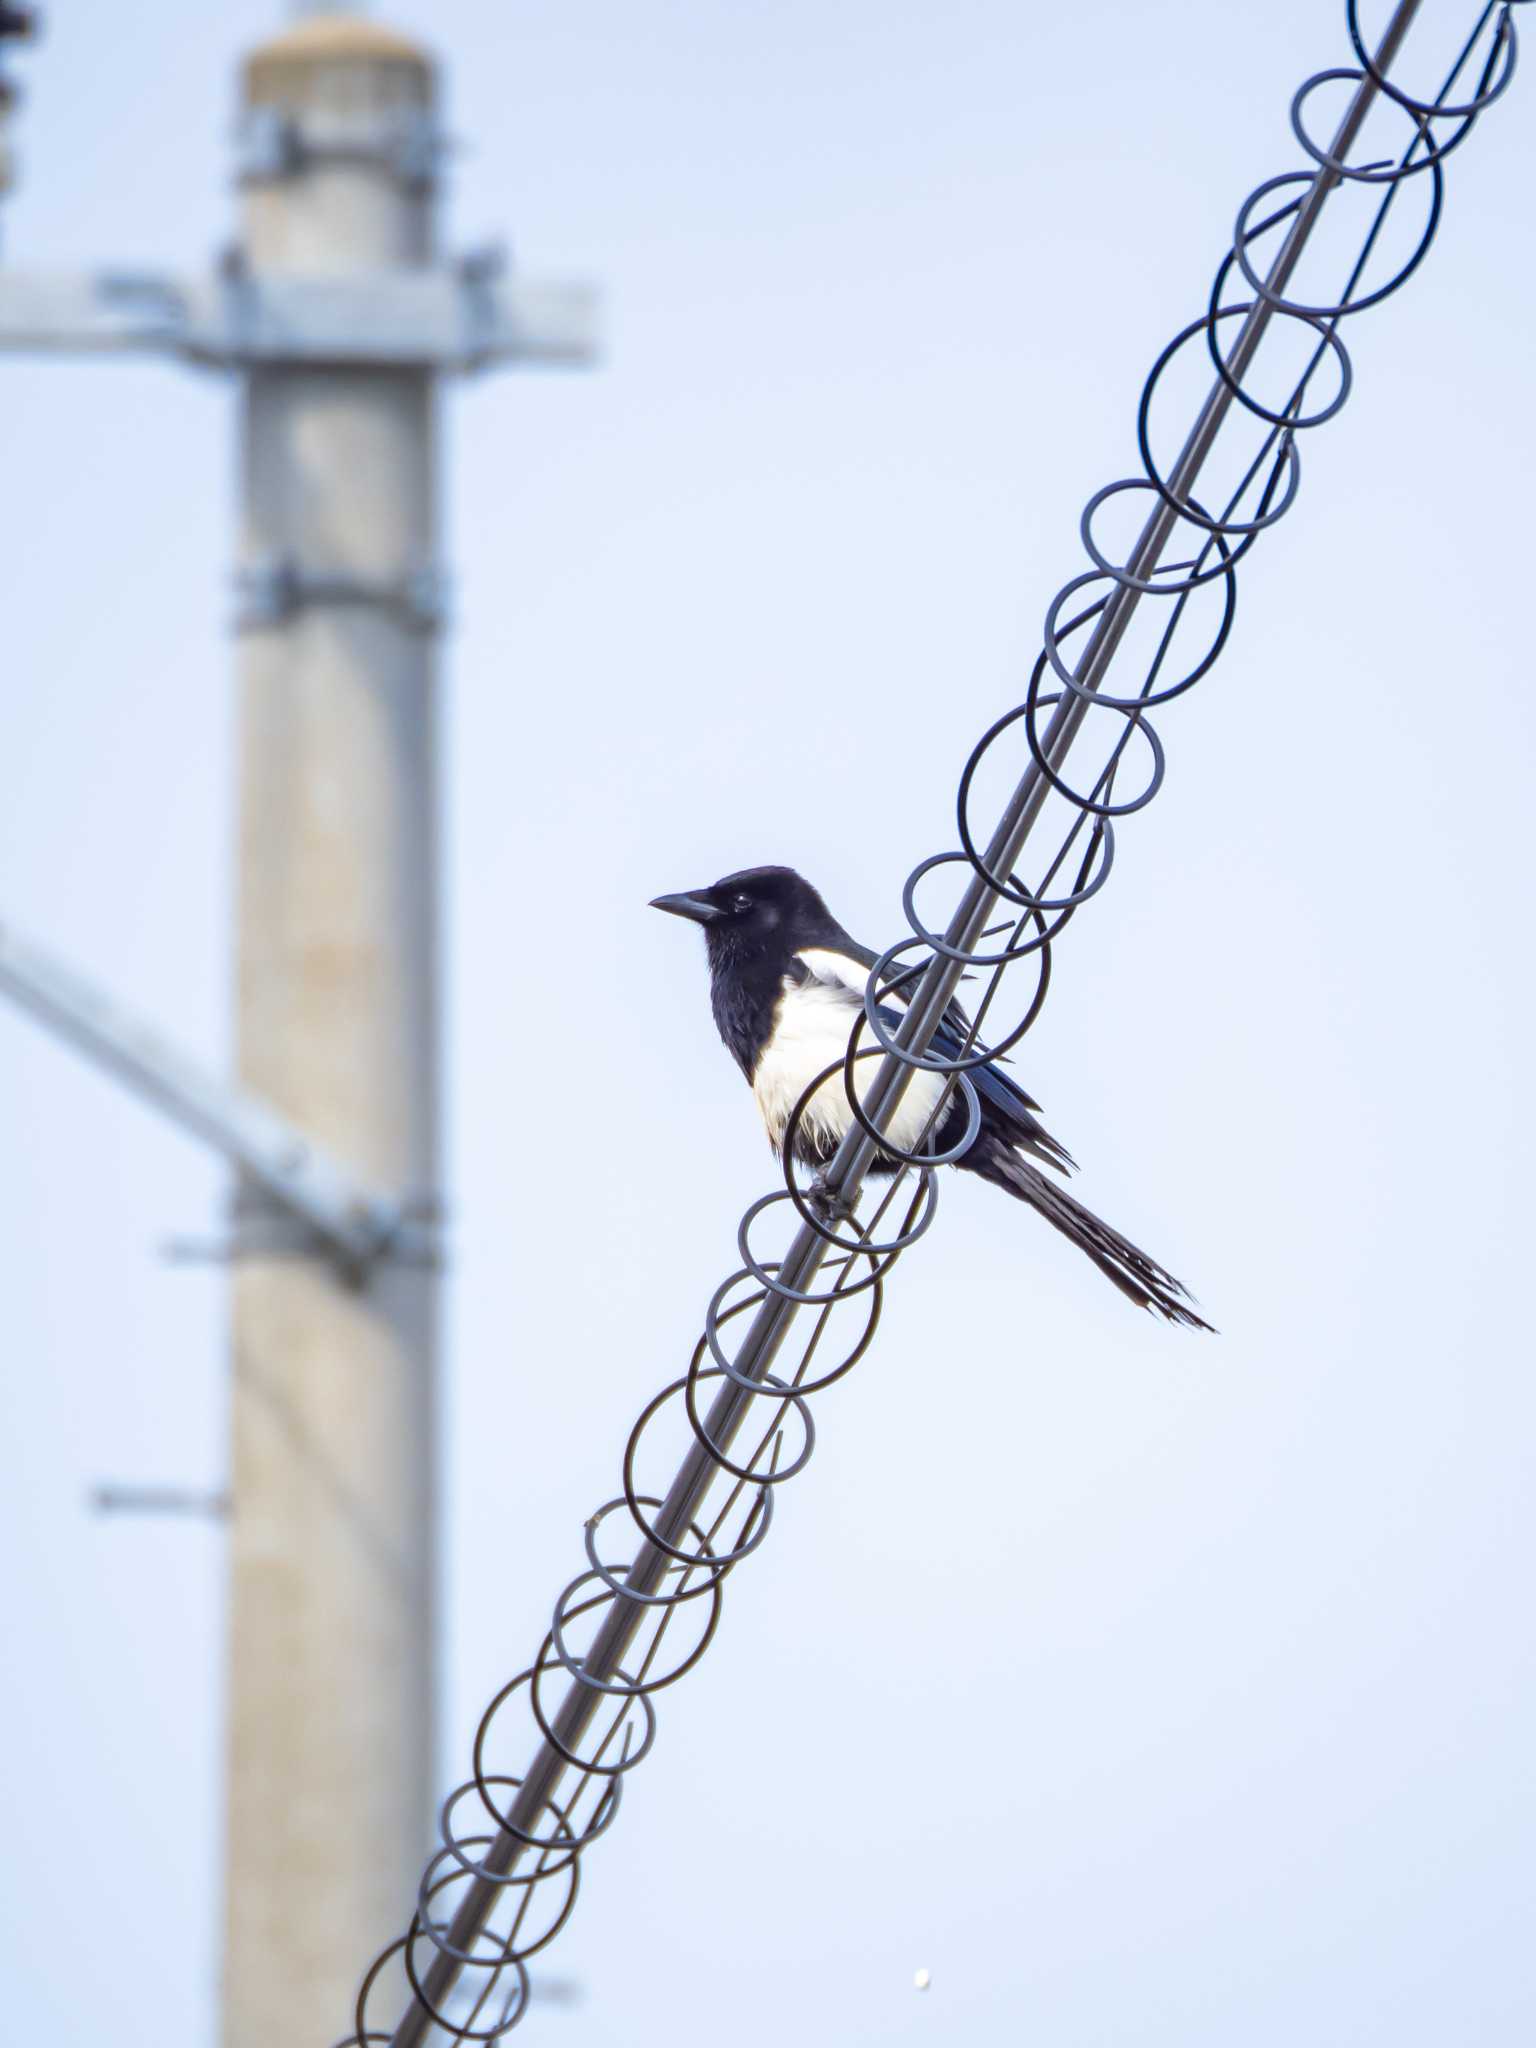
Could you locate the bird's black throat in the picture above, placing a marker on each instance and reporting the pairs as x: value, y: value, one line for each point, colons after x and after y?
x: 749, y: 960
x: 746, y: 979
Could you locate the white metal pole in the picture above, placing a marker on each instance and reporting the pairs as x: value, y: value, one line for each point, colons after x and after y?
x: 330, y: 1761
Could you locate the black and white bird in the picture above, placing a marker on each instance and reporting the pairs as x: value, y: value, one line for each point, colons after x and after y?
x: 787, y: 987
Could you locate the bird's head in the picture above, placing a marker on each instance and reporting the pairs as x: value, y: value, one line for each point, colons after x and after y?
x: 759, y: 910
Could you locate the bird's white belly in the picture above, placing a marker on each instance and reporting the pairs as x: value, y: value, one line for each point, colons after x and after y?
x: 810, y: 1034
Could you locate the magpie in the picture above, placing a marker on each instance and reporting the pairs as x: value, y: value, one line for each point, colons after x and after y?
x: 787, y: 988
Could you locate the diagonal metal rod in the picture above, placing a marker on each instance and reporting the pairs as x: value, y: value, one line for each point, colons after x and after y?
x: 355, y: 1224
x: 931, y: 996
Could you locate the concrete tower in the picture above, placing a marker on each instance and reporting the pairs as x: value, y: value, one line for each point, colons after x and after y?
x: 331, y: 1620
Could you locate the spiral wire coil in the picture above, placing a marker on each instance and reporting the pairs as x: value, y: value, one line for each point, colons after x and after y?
x: 647, y: 1605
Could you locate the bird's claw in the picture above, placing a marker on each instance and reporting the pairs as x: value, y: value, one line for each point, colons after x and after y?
x: 827, y: 1205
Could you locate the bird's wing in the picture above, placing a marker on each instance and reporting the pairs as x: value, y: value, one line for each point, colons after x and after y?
x: 1010, y: 1106
x: 868, y: 957
x: 835, y: 968
x: 848, y: 965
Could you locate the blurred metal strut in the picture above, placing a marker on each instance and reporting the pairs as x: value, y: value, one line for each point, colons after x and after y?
x: 354, y: 1225
x: 463, y: 1958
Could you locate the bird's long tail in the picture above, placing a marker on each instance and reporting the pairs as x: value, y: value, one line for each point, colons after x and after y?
x: 1140, y: 1278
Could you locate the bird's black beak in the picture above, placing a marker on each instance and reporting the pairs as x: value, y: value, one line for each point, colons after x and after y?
x: 693, y: 907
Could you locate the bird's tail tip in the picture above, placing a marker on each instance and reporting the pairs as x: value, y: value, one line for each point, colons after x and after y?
x: 1140, y: 1278
x: 1177, y: 1305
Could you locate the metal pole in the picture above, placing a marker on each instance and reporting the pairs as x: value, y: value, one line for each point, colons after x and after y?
x: 772, y: 1321
x: 332, y: 1622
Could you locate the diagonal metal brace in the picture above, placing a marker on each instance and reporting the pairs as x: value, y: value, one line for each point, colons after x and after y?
x: 355, y: 1226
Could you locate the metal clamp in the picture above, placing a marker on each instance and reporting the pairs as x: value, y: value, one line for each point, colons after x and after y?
x: 273, y: 591
x: 272, y: 144
x: 481, y: 274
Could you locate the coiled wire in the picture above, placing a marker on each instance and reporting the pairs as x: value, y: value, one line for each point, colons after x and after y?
x: 646, y: 1607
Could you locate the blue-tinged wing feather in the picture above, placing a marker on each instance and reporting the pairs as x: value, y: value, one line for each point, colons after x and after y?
x: 1011, y: 1109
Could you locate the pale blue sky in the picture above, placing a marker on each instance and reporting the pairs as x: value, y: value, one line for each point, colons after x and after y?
x: 1248, y: 1619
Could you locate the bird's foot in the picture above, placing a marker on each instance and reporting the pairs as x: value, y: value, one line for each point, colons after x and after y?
x: 827, y: 1205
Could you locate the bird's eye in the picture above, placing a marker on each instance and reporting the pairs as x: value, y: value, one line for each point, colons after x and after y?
x: 742, y: 902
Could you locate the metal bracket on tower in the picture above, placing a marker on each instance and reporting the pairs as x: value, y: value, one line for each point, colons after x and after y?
x: 446, y: 317
x: 271, y: 592
x: 112, y: 1498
